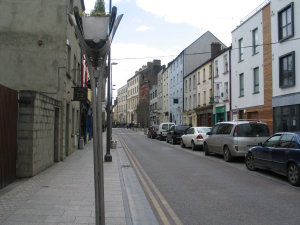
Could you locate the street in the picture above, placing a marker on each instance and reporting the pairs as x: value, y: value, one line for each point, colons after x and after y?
x: 186, y: 187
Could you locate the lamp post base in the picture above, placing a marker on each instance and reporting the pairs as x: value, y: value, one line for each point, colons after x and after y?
x: 108, y: 158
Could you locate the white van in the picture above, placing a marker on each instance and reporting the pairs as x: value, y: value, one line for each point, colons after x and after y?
x: 162, y: 130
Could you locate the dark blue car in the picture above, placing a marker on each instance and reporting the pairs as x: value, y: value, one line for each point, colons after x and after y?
x: 280, y: 153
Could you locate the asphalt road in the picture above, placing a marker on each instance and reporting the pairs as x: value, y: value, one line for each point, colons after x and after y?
x: 206, y: 190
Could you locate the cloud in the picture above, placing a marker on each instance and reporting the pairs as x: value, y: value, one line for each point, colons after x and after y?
x: 142, y: 28
x: 201, y: 14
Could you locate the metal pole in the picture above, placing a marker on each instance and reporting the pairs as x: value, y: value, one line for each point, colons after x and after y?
x: 95, y: 147
x: 100, y: 144
x: 108, y: 157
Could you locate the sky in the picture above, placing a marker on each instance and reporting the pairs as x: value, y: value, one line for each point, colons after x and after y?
x: 161, y: 29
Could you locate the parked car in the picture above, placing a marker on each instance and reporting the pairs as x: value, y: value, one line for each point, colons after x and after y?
x: 280, y: 154
x: 234, y: 138
x: 152, y: 131
x: 162, y: 130
x: 175, y: 132
x: 194, y: 137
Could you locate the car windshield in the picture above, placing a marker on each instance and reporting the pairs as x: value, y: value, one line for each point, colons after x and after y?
x: 203, y: 129
x: 165, y: 127
x: 253, y: 130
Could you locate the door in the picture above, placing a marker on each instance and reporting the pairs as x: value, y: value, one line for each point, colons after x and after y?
x: 280, y: 154
x: 264, y: 155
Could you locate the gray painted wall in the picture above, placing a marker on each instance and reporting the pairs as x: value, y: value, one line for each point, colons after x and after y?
x: 192, y: 56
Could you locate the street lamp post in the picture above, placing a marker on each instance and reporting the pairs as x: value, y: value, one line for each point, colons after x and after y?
x: 96, y: 49
x: 108, y: 157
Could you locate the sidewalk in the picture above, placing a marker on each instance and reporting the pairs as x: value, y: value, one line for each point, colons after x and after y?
x: 64, y: 193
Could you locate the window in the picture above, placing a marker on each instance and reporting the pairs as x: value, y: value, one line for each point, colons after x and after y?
x: 198, y: 99
x: 216, y: 69
x: 256, y: 80
x: 203, y: 75
x: 253, y: 130
x: 209, y: 72
x: 287, y: 70
x: 285, y: 140
x: 241, y: 50
x: 286, y: 22
x: 225, y: 91
x: 194, y: 82
x: 217, y: 90
x: 198, y: 77
x: 272, y: 142
x: 225, y: 63
x: 241, y: 85
x: 69, y: 61
x: 204, y: 98
x: 224, y: 129
x: 254, y: 41
x: 190, y: 84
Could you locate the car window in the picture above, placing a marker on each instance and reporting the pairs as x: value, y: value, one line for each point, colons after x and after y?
x: 225, y: 129
x: 170, y: 125
x: 172, y: 128
x: 203, y: 130
x: 190, y: 131
x: 182, y: 128
x: 165, y: 127
x: 272, y: 141
x: 293, y: 143
x: 253, y: 130
x: 285, y: 140
x: 214, y: 129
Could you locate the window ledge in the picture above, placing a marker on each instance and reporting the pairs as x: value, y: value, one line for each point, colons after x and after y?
x: 253, y: 54
x: 286, y: 38
x: 287, y: 86
x: 257, y: 92
x: 241, y: 61
x: 241, y: 96
x: 225, y: 72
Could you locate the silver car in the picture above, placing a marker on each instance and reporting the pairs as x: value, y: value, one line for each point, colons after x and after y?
x: 234, y: 138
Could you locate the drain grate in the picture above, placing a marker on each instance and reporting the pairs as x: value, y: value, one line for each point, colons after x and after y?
x: 126, y: 166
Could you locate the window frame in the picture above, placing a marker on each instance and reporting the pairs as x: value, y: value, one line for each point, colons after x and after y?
x: 241, y: 50
x: 242, y: 90
x: 254, y: 41
x: 280, y: 27
x: 292, y: 54
x: 254, y: 79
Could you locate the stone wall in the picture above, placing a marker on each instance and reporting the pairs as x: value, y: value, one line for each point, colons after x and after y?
x: 36, y: 130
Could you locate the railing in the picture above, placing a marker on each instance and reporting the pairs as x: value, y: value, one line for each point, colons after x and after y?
x: 255, y: 11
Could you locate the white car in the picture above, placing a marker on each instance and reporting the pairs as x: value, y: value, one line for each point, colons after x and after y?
x: 162, y: 130
x: 194, y: 137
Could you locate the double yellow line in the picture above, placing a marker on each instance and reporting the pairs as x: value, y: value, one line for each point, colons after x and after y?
x: 150, y: 189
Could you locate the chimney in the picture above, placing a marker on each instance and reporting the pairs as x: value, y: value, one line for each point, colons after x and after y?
x: 215, y: 49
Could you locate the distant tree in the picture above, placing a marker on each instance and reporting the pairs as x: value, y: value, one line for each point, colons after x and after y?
x: 99, y: 8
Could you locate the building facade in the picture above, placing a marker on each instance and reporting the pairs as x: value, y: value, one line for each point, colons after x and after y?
x: 252, y: 68
x: 176, y: 90
x: 122, y: 105
x: 132, y: 98
x: 221, y: 86
x: 285, y: 64
x: 42, y: 58
x: 165, y: 117
x: 190, y: 99
x: 204, y: 108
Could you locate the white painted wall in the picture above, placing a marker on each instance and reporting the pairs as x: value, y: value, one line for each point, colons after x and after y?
x: 285, y: 47
x: 248, y: 64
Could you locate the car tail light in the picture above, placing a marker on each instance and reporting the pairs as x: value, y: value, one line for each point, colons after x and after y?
x: 152, y: 129
x: 236, y: 147
x: 235, y: 131
x: 199, y: 136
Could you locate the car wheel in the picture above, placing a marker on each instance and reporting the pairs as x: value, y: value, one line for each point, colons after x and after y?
x: 182, y: 144
x: 206, y: 150
x: 167, y: 140
x: 160, y: 138
x: 193, y: 146
x: 227, y: 154
x: 173, y: 142
x: 293, y: 174
x: 249, y: 161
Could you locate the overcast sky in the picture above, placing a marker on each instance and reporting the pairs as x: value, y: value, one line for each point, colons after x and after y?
x: 161, y: 29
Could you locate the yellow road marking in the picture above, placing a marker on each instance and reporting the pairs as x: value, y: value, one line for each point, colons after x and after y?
x: 142, y: 173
